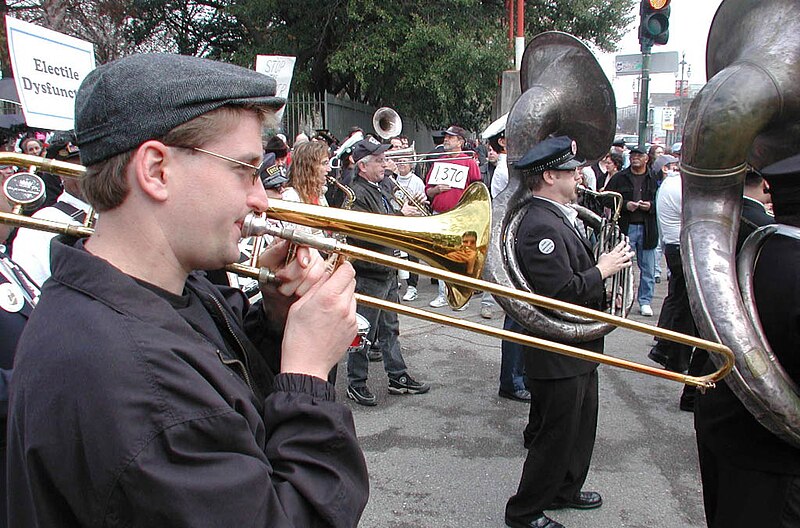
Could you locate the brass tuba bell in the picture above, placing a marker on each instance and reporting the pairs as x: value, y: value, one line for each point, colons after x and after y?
x: 565, y: 92
x: 748, y: 112
x: 387, y: 122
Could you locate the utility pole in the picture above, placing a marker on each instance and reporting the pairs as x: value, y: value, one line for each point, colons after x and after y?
x: 653, y: 29
x: 644, y: 98
x: 681, y: 97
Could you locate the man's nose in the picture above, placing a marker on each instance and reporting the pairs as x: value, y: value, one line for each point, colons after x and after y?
x: 257, y: 198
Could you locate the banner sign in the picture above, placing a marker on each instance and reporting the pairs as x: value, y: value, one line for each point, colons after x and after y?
x: 668, y: 119
x: 279, y: 68
x: 451, y: 174
x: 48, y: 69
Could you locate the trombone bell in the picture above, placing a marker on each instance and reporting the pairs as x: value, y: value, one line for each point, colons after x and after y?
x: 456, y: 241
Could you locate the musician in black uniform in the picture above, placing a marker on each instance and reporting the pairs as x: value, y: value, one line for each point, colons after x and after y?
x: 754, y: 211
x: 18, y: 296
x: 558, y: 262
x: 750, y: 476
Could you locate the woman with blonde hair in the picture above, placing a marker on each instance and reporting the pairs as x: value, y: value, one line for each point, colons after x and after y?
x: 307, y: 174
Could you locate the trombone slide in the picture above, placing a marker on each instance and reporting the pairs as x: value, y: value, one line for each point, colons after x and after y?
x: 265, y: 276
x: 334, y: 246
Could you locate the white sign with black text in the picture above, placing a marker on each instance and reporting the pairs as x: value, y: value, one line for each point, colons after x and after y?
x: 451, y: 174
x: 48, y: 69
x: 280, y: 68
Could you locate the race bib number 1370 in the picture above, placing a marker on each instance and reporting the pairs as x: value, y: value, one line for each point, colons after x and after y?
x: 449, y: 174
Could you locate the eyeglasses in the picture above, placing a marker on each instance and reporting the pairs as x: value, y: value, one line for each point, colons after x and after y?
x: 257, y: 171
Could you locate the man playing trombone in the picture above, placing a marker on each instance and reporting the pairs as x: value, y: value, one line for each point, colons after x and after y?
x: 558, y: 262
x: 142, y: 394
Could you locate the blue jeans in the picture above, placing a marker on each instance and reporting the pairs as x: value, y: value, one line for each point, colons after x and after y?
x: 393, y: 363
x: 646, y: 259
x: 512, y: 363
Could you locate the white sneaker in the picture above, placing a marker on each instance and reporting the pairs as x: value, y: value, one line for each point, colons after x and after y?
x: 645, y: 310
x: 411, y: 294
x: 462, y: 308
x: 438, y: 302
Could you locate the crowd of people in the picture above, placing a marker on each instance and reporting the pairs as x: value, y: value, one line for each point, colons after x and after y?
x: 186, y: 399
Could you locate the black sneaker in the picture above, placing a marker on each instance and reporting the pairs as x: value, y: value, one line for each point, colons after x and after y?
x: 405, y: 384
x: 361, y: 395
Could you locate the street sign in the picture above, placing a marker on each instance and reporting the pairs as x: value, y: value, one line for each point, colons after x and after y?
x: 666, y: 62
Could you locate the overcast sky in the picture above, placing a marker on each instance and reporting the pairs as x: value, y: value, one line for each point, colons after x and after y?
x: 689, y: 22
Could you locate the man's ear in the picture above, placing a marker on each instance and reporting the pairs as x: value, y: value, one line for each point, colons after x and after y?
x: 152, y: 163
x: 548, y: 177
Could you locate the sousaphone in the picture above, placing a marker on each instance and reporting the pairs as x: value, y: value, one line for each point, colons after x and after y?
x: 564, y: 92
x: 748, y: 112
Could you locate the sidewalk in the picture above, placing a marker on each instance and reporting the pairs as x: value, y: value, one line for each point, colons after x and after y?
x: 452, y: 457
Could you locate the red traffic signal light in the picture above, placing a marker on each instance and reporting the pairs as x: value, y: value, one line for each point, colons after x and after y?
x: 654, y: 27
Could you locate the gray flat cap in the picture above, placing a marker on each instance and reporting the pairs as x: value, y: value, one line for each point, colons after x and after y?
x: 124, y: 103
x: 661, y: 161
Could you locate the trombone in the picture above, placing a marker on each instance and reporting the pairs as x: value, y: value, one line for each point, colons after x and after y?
x: 404, y: 156
x: 432, y: 245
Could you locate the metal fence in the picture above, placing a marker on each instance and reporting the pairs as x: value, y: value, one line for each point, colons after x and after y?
x: 308, y: 113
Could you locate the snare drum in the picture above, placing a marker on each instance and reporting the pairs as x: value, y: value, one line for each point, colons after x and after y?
x: 360, y: 341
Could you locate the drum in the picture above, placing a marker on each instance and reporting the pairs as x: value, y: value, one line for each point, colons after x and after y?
x: 360, y: 341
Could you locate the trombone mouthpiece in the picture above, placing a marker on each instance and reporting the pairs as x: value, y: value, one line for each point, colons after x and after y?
x: 253, y: 225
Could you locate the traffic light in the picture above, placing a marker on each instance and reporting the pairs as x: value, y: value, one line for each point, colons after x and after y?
x: 654, y: 27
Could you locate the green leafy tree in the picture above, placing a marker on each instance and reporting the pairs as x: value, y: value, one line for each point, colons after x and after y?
x: 439, y: 62
x: 435, y: 61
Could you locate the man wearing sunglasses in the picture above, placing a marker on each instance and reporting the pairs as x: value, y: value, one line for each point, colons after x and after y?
x: 143, y: 395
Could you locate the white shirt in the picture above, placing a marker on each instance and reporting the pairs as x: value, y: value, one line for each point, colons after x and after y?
x: 290, y: 195
x: 500, y: 176
x: 668, y: 208
x: 569, y: 212
x: 589, y: 177
x: 413, y: 184
x: 31, y: 247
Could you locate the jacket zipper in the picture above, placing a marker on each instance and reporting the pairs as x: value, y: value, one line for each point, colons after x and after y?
x: 230, y: 362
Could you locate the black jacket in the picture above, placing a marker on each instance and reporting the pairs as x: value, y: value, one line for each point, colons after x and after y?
x: 122, y: 414
x: 370, y: 198
x: 754, y: 215
x: 622, y: 183
x: 14, y: 313
x: 558, y: 263
x: 722, y: 422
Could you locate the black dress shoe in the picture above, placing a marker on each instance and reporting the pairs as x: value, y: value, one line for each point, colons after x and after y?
x: 583, y: 500
x: 519, y: 395
x: 658, y: 356
x: 542, y: 521
x: 687, y: 402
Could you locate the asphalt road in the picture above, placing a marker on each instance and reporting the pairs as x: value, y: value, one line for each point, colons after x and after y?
x: 453, y: 456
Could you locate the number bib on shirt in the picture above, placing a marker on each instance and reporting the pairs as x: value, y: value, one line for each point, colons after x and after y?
x: 451, y: 174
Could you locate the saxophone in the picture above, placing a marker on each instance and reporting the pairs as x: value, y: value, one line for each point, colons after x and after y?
x: 349, y: 199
